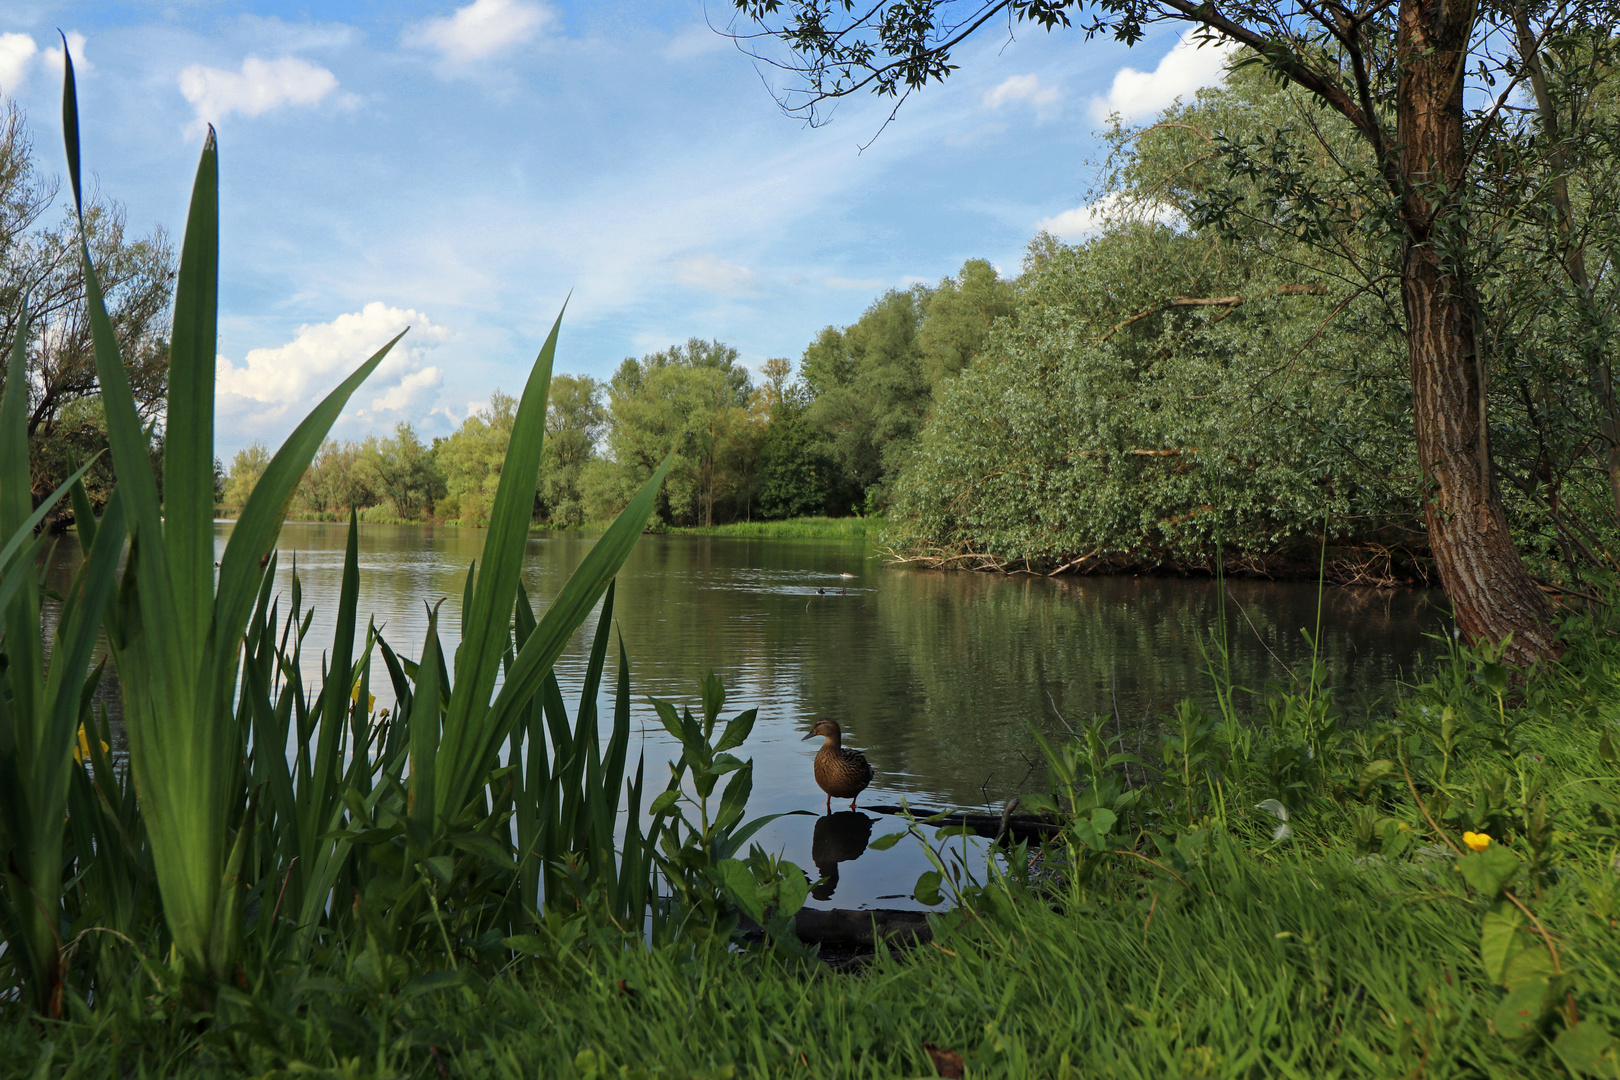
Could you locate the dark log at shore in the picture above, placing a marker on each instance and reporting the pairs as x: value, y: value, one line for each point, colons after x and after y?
x: 991, y: 826
x: 847, y: 938
x: 861, y: 929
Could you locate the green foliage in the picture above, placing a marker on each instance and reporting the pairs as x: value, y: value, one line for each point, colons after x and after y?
x: 471, y: 460
x: 247, y: 466
x: 689, y: 402
x: 870, y: 386
x: 1161, y: 392
x: 699, y: 837
x: 797, y: 476
x: 576, y: 419
x: 40, y: 267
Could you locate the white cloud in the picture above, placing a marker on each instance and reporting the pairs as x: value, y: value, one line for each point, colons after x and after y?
x: 482, y: 28
x: 1091, y: 218
x: 270, y: 384
x: 695, y: 41
x: 1185, y: 69
x: 716, y: 275
x: 409, y: 390
x: 16, y: 54
x: 260, y: 86
x: 1021, y: 88
x: 52, y: 56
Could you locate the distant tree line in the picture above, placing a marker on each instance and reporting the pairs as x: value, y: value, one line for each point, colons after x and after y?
x: 831, y: 441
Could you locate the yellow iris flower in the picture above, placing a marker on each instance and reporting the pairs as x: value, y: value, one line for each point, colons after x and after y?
x: 81, y: 752
x: 1477, y: 841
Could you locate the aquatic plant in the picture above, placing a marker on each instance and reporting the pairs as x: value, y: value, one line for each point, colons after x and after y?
x: 231, y: 827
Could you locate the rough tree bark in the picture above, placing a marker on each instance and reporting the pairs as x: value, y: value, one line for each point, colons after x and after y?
x: 1489, y: 588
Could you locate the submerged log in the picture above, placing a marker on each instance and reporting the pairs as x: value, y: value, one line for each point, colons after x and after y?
x: 991, y: 826
x: 847, y: 939
x: 861, y: 929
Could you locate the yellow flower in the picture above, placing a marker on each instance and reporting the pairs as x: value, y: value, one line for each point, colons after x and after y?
x: 1477, y: 841
x: 81, y: 752
x: 371, y: 699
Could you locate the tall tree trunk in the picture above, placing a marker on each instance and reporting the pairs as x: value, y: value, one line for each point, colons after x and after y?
x: 1483, y: 576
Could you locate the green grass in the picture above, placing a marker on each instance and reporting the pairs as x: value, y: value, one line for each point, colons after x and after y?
x: 802, y: 528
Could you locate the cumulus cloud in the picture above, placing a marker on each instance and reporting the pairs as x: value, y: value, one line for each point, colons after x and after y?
x: 1185, y: 69
x: 261, y: 85
x: 481, y: 29
x: 408, y: 391
x: 1091, y: 218
x: 716, y: 275
x: 53, y: 55
x: 285, y: 382
x: 16, y: 56
x: 1021, y: 88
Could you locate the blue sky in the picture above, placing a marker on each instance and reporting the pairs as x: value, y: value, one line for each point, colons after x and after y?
x: 463, y: 167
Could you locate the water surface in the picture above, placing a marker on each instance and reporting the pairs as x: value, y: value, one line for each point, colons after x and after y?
x: 937, y: 676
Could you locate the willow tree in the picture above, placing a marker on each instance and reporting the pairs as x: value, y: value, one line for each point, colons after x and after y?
x: 1424, y: 83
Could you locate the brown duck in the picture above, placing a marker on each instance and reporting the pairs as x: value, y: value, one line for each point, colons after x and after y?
x: 842, y: 773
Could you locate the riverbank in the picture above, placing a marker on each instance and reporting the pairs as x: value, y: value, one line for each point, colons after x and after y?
x: 801, y: 528
x: 1261, y: 890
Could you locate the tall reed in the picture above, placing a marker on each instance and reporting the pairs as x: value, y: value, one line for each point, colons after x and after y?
x: 242, y: 840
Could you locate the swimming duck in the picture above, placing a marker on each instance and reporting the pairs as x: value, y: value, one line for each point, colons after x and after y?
x: 840, y: 771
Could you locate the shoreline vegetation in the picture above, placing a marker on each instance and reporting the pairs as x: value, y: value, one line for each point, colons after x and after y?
x: 803, y: 528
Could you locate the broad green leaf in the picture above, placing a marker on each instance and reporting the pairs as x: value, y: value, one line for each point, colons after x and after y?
x: 741, y: 888
x: 926, y: 891
x: 1502, y: 936
x: 1522, y: 1009
x: 1528, y: 965
x: 791, y: 890
x: 424, y: 726
x: 1587, y: 1048
x: 1373, y: 772
x: 737, y: 730
x: 188, y: 439
x: 884, y: 843
x: 1488, y: 872
x: 528, y: 945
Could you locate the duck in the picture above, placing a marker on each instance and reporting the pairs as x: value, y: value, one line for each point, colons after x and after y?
x: 840, y: 771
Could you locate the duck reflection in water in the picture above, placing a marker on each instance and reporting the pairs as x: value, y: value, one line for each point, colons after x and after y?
x: 839, y: 837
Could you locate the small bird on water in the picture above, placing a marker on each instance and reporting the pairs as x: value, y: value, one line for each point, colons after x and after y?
x: 841, y: 772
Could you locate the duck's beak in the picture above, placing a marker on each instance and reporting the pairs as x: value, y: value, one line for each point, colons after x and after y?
x: 808, y: 737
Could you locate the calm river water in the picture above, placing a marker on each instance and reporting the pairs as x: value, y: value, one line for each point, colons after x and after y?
x: 936, y: 676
